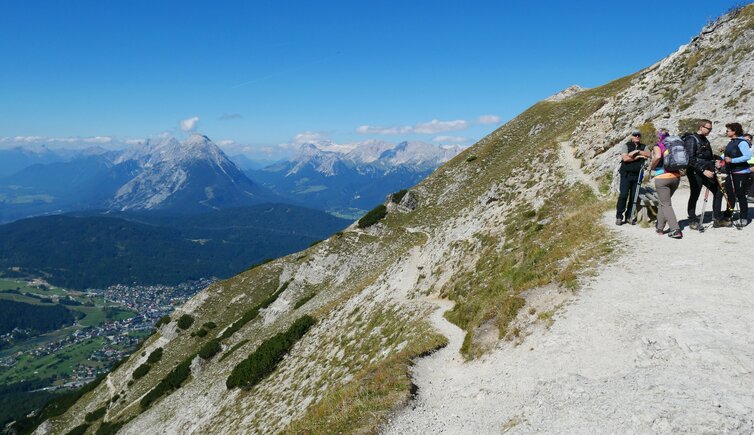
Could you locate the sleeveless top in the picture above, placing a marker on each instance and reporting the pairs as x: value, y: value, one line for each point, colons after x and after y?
x: 660, y: 171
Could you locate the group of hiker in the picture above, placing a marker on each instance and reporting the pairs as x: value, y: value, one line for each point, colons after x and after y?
x: 728, y: 175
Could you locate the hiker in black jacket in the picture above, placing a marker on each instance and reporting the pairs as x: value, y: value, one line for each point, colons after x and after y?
x: 633, y: 155
x: 701, y: 173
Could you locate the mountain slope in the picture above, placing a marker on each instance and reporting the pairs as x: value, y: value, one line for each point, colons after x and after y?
x: 496, y: 235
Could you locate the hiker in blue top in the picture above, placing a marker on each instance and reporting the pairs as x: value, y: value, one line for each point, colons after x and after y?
x: 737, y: 155
x: 750, y: 195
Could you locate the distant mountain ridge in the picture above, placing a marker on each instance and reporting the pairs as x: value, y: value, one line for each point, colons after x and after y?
x: 350, y: 179
x: 166, y: 175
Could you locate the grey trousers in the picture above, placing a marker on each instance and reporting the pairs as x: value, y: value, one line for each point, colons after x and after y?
x: 665, y: 188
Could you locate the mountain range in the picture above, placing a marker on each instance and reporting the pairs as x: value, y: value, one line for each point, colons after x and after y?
x: 347, y: 180
x: 194, y: 176
x: 158, y: 175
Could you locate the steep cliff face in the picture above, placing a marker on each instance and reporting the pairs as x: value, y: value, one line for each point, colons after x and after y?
x: 508, y: 225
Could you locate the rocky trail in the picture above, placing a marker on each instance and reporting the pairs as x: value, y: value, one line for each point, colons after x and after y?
x: 660, y: 340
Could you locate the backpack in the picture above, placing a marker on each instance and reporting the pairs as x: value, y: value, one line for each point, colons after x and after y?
x: 677, y: 154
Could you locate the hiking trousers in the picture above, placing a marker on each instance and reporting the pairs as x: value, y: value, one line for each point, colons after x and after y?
x: 739, y: 182
x: 697, y: 182
x: 665, y: 188
x: 628, y: 186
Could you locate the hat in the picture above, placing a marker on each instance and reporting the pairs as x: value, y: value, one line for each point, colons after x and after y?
x: 636, y: 133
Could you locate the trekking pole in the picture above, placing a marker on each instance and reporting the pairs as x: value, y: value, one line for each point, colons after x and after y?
x: 704, y: 205
x: 738, y: 225
x: 730, y: 208
x: 634, y: 208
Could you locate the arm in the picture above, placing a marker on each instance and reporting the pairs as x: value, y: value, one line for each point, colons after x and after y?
x: 656, y: 156
x: 743, y: 146
x: 704, y: 166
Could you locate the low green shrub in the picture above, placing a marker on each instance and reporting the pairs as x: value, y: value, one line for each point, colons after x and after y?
x: 155, y: 356
x: 303, y: 300
x: 141, y: 371
x: 79, y: 430
x: 396, y: 197
x: 164, y: 320
x: 210, y: 349
x: 95, y: 415
x: 201, y: 332
x: 209, y: 325
x: 471, y: 158
x: 171, y: 382
x: 268, y: 355
x: 185, y: 321
x: 373, y: 216
x: 110, y: 427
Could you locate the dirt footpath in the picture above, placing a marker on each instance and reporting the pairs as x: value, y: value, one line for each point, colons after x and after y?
x: 661, y: 341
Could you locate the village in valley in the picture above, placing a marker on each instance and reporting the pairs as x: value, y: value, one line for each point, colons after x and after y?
x: 112, y: 323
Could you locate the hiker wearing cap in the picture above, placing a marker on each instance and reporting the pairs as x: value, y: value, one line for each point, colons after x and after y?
x: 633, y: 155
x: 701, y: 173
x: 737, y: 155
x: 666, y: 183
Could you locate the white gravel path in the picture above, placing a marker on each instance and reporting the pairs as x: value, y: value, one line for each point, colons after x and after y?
x: 661, y: 341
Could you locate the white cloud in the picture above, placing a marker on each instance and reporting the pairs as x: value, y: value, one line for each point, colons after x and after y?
x: 432, y: 127
x: 488, y: 119
x: 308, y: 137
x: 72, y: 142
x: 450, y: 139
x: 189, y: 124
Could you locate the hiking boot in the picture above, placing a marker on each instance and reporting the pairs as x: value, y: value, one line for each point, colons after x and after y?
x: 694, y: 224
x: 675, y: 234
x: 721, y: 223
x: 619, y: 222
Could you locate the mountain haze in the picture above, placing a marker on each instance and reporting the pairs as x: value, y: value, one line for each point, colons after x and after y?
x: 507, y: 240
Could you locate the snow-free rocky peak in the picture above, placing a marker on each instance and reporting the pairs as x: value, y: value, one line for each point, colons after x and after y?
x: 192, y: 175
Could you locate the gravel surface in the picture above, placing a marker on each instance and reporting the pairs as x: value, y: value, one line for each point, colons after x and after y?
x: 661, y: 340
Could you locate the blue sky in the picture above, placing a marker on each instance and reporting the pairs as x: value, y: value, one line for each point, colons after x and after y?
x: 254, y: 75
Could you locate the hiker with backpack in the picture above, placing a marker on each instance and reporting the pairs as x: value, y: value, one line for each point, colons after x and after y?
x: 737, y: 155
x: 667, y: 175
x: 701, y: 173
x: 633, y: 156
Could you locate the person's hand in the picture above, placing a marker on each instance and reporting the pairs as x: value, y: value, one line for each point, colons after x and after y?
x: 727, y: 160
x: 718, y: 164
x: 709, y: 174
